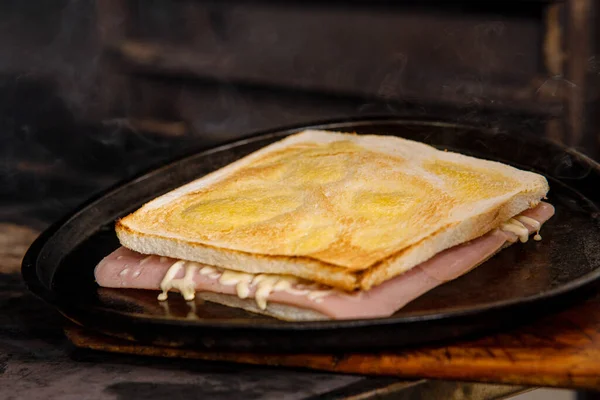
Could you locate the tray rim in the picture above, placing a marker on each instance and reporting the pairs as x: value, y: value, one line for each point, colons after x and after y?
x: 34, y: 284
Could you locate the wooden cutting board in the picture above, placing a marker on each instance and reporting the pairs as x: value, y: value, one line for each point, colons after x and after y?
x: 561, y: 350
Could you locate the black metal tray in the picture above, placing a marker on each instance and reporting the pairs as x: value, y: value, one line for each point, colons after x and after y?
x: 520, y: 283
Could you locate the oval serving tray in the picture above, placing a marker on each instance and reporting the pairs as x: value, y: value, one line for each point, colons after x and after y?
x: 520, y: 283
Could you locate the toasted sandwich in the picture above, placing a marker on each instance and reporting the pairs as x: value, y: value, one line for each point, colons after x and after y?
x: 327, y: 225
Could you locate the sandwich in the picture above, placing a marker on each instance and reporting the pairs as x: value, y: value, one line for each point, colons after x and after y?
x: 327, y: 225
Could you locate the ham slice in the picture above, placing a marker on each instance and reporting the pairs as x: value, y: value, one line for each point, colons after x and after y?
x: 127, y: 269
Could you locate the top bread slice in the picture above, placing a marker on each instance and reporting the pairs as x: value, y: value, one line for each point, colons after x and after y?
x: 345, y: 210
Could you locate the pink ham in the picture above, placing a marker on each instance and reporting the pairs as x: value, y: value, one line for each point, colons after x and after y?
x: 127, y: 269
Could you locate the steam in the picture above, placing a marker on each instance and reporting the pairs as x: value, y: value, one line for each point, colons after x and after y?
x: 53, y: 41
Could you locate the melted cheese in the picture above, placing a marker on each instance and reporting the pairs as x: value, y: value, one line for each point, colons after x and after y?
x: 145, y: 260
x: 533, y: 223
x: 241, y: 281
x: 318, y: 295
x: 186, y: 285
x: 529, y: 221
x: 264, y: 284
x: 516, y: 227
x: 208, y: 270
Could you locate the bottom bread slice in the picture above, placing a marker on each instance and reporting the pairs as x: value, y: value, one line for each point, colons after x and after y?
x: 277, y: 310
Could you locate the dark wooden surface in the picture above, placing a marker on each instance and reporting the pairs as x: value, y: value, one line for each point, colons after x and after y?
x: 38, y: 362
x: 562, y: 350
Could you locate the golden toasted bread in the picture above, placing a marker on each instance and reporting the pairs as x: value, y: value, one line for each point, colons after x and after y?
x: 349, y: 211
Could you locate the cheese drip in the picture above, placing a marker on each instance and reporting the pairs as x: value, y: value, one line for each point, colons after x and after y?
x: 533, y: 223
x: 185, y: 285
x: 265, y: 284
x: 516, y: 227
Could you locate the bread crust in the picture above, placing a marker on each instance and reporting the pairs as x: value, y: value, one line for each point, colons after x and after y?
x: 446, y: 199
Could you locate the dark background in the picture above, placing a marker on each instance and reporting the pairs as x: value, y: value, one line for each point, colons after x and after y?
x: 92, y: 95
x: 48, y: 89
